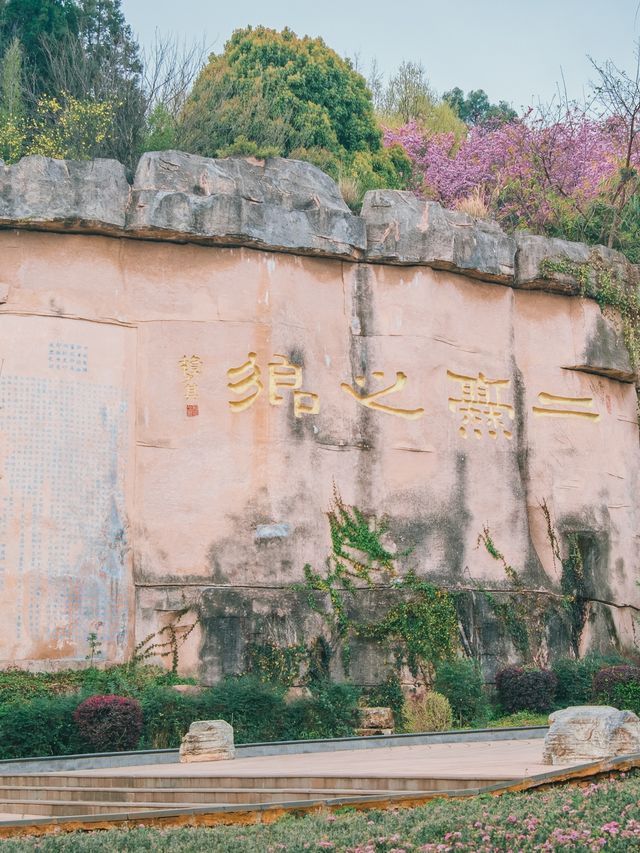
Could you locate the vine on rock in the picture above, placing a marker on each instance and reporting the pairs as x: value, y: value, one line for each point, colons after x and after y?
x: 177, y: 636
x: 421, y: 625
x: 526, y: 615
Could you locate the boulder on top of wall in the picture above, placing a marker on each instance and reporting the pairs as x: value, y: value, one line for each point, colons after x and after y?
x: 274, y: 204
x: 403, y: 229
x: 43, y: 193
x: 559, y: 266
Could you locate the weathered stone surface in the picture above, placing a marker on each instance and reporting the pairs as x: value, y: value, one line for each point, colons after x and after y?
x: 275, y: 203
x: 403, y: 229
x: 376, y: 718
x: 536, y: 256
x: 208, y: 740
x: 603, y: 351
x: 39, y: 192
x: 589, y: 733
x: 153, y: 493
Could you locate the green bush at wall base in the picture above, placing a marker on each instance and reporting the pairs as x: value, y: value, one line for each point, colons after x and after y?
x: 575, y: 678
x: 45, y: 726
x: 626, y: 697
x: 388, y: 694
x: 461, y: 682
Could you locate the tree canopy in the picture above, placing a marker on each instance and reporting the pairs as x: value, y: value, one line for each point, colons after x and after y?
x: 476, y: 109
x: 281, y: 92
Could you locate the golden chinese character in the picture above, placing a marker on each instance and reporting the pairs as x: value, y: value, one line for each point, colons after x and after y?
x: 282, y: 374
x: 371, y: 400
x: 556, y: 407
x: 477, y: 406
x: 239, y: 384
x: 191, y: 368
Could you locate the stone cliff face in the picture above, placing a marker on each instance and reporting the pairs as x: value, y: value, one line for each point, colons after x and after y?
x: 190, y: 363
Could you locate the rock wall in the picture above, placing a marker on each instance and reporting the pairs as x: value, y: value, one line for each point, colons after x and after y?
x: 189, y: 364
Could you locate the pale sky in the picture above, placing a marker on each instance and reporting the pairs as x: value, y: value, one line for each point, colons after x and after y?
x: 516, y: 50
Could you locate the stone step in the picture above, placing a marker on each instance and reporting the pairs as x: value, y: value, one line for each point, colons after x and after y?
x: 176, y: 797
x: 55, y: 808
x: 271, y: 782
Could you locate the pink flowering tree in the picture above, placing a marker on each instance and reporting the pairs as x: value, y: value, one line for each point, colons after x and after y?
x: 557, y: 177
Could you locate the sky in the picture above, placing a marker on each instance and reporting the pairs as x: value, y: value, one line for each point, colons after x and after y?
x: 516, y: 50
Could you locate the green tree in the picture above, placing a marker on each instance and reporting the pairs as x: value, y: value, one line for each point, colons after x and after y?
x: 279, y: 90
x: 101, y: 62
x: 12, y: 130
x: 408, y: 97
x: 477, y: 109
x: 37, y: 23
x: 271, y: 93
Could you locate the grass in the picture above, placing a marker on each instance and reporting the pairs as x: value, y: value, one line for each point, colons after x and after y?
x: 602, y: 815
x: 520, y: 718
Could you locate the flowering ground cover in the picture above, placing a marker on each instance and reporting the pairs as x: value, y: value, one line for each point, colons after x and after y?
x: 603, y: 815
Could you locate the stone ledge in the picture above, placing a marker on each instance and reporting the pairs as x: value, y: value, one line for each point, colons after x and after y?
x: 403, y: 229
x: 280, y: 205
x: 275, y: 204
x: 64, y: 195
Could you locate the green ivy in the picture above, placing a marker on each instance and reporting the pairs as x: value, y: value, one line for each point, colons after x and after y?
x: 421, y: 626
x: 275, y: 664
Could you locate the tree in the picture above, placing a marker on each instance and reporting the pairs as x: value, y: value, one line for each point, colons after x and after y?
x: 476, y: 109
x: 281, y: 91
x: 271, y: 93
x: 408, y: 93
x: 101, y: 62
x: 618, y: 95
x: 33, y: 21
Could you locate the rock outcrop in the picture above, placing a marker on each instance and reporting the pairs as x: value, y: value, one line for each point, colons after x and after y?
x: 286, y: 206
x: 589, y: 733
x: 403, y: 229
x: 208, y: 740
x: 64, y: 195
x: 278, y: 204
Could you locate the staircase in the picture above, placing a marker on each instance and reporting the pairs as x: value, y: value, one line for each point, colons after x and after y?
x: 78, y: 794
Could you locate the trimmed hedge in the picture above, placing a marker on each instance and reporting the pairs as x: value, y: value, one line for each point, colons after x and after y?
x: 575, y: 678
x: 626, y: 696
x: 109, y: 723
x: 257, y: 712
x: 526, y: 689
x: 607, y: 680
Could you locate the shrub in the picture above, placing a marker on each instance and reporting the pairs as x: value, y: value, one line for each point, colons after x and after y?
x: 109, y: 723
x: 331, y: 712
x: 167, y: 716
x: 460, y: 680
x: 626, y: 696
x: 429, y: 713
x: 121, y: 679
x: 521, y: 718
x: 42, y: 726
x: 575, y: 678
x: 526, y: 689
x: 605, y: 681
x: 256, y: 710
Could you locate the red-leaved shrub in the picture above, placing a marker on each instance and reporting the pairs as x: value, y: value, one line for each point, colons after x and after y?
x: 109, y: 723
x: 605, y: 681
x: 526, y: 689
